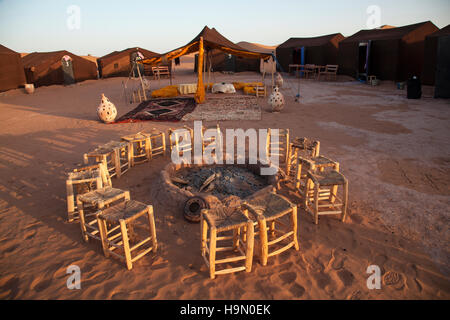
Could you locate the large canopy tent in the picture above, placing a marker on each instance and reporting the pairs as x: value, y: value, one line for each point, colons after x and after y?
x: 119, y: 63
x: 12, y: 74
x: 321, y: 50
x: 207, y: 40
x: 389, y: 54
x: 58, y: 67
x: 436, y: 70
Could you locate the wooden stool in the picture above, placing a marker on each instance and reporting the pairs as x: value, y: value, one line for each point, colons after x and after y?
x: 212, y: 144
x: 96, y: 200
x: 139, y: 147
x: 121, y: 216
x: 84, y: 179
x: 300, y: 147
x: 157, y: 143
x: 279, y: 149
x: 221, y: 220
x: 271, y: 208
x: 313, y: 164
x: 261, y: 91
x: 115, y: 155
x: 325, y: 199
x: 181, y: 139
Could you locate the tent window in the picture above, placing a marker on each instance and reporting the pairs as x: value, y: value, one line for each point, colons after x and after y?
x: 116, y: 66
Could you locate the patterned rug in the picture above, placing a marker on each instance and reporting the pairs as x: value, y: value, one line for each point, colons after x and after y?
x: 162, y: 109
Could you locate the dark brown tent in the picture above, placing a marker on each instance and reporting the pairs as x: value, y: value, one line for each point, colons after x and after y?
x: 11, y: 69
x: 321, y: 50
x: 118, y: 63
x: 47, y: 68
x: 392, y: 54
x: 436, y: 55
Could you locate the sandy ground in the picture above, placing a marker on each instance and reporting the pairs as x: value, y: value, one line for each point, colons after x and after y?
x: 395, y: 153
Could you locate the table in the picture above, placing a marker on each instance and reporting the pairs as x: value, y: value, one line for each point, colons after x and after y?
x: 187, y: 88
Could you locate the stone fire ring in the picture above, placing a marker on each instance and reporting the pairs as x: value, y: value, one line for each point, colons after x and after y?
x: 191, y: 203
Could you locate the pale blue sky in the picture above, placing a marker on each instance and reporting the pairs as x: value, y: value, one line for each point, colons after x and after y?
x: 105, y: 26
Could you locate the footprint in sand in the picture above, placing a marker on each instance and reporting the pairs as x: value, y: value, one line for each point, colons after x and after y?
x: 9, y: 285
x: 338, y: 258
x: 394, y: 279
x: 346, y: 277
x: 355, y: 295
x: 297, y: 290
x: 288, y: 277
x: 322, y: 279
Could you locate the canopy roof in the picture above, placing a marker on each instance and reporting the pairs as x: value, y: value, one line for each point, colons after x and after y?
x: 310, y: 42
x: 385, y: 34
x: 212, y: 39
x: 119, y: 54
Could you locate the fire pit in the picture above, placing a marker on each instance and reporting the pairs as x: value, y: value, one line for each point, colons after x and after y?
x: 193, y: 187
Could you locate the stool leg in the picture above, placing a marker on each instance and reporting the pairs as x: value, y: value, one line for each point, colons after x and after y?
x: 85, y: 158
x: 204, y: 234
x: 316, y: 203
x: 272, y: 228
x: 294, y: 226
x: 147, y: 148
x: 249, y: 249
x: 116, y: 161
x: 126, y: 244
x: 212, y: 252
x: 163, y: 137
x: 70, y: 200
x: 130, y: 153
x: 345, y: 200
x: 151, y: 221
x: 263, y: 238
x: 82, y: 221
x: 236, y: 235
x: 150, y: 147
x: 103, y: 235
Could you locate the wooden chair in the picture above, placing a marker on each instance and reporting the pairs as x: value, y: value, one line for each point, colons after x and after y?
x: 330, y: 72
x: 308, y: 70
x: 94, y: 201
x: 83, y: 180
x: 123, y: 218
x: 269, y: 208
x: 219, y: 223
x: 279, y: 149
x: 325, y: 199
x: 160, y: 71
x: 115, y: 155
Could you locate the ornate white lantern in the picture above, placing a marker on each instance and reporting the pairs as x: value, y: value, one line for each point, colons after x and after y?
x: 279, y: 80
x: 106, y: 111
x: 276, y: 100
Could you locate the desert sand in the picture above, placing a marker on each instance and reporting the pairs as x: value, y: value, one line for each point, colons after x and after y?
x: 395, y: 153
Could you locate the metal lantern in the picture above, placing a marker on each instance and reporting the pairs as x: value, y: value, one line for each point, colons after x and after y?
x: 106, y: 111
x: 276, y: 100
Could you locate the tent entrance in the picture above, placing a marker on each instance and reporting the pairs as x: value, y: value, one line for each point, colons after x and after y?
x: 363, y: 60
x: 67, y: 68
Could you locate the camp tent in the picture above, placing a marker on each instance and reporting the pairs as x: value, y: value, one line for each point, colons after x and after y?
x: 389, y: 54
x: 119, y: 63
x: 321, y: 50
x: 207, y: 40
x: 436, y: 69
x: 58, y: 67
x: 221, y: 61
x: 263, y: 65
x: 11, y: 69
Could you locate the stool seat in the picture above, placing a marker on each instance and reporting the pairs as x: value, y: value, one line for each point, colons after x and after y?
x: 322, y: 161
x: 269, y: 205
x: 102, y: 195
x: 136, y: 137
x: 123, y: 211
x: 84, y: 175
x: 226, y: 218
x: 329, y: 178
x: 107, y: 148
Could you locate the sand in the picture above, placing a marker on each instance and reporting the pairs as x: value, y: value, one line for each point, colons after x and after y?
x: 395, y: 153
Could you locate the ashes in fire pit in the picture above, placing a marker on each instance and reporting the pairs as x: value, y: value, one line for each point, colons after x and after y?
x: 220, y: 181
x: 192, y: 187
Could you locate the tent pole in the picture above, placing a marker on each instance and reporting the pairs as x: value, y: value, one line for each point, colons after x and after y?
x: 140, y: 79
x: 200, y: 94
